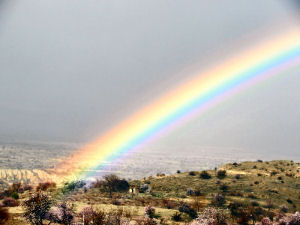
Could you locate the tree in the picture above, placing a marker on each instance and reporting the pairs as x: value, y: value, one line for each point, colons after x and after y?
x: 113, y: 183
x: 36, y: 208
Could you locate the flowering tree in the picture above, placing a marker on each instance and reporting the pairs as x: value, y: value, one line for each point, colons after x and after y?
x: 88, y: 215
x: 36, y: 208
x: 211, y: 216
x: 62, y: 214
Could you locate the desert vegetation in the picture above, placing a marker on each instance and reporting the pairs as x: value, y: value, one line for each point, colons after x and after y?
x: 231, y: 194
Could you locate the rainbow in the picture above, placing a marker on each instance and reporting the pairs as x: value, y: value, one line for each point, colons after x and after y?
x: 205, y: 90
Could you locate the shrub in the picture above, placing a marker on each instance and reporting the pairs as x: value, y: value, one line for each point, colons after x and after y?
x: 256, y: 213
x: 236, y: 193
x: 251, y: 195
x: 266, y: 221
x: 192, y: 173
x: 269, y: 204
x: 177, y: 216
x: 88, y: 214
x: 205, y: 175
x: 169, y: 204
x: 197, y: 193
x: 212, y: 216
x: 72, y: 186
x: 289, y: 174
x: 99, y: 217
x: 239, y: 211
x: 144, y: 221
x: 116, y: 201
x: 10, y: 202
x: 284, y: 209
x: 186, y: 208
x: 254, y: 203
x: 190, y: 191
x: 65, y: 214
x: 224, y: 187
x: 219, y: 200
x: 15, y: 195
x: 273, y: 173
x: 238, y: 176
x: 4, y: 215
x: 160, y: 174
x: 15, y: 187
x: 221, y: 174
x: 197, y: 203
x: 36, y: 208
x: 149, y: 211
x: 4, y: 194
x: 294, y: 219
x: 45, y: 186
x: 144, y: 188
x: 27, y: 187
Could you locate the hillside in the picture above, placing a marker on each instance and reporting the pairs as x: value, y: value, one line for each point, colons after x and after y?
x: 272, y: 187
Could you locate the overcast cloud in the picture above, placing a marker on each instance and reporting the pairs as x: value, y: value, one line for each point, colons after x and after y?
x: 71, y: 69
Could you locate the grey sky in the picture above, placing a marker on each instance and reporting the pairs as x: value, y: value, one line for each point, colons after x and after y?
x: 69, y: 71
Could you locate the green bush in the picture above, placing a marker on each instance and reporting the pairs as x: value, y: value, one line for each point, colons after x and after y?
x: 221, y: 174
x: 192, y: 173
x: 15, y: 195
x: 177, y: 216
x: 205, y: 175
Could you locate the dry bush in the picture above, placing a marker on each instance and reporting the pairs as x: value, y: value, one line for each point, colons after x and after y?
x: 99, y: 217
x: 27, y: 187
x: 169, y: 204
x: 197, y: 203
x: 116, y: 201
x: 15, y: 187
x: 218, y: 200
x: 146, y: 221
x: 236, y: 193
x: 4, y: 215
x: 45, y: 186
x: 10, y: 202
